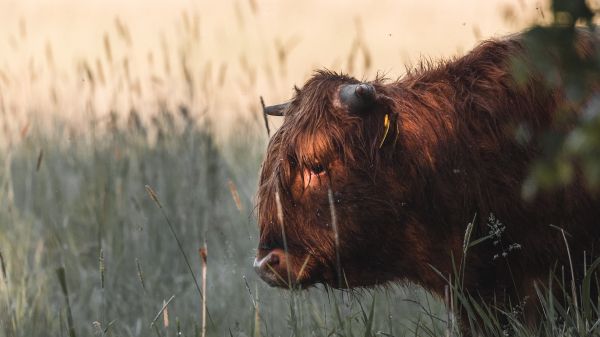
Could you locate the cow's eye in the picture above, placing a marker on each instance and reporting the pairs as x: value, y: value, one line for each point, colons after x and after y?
x: 317, y: 169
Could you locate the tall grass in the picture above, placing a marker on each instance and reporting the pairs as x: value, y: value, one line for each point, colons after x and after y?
x: 84, y: 249
x: 86, y: 213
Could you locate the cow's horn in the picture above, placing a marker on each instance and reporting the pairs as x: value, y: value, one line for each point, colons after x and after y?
x: 357, y: 97
x: 276, y: 110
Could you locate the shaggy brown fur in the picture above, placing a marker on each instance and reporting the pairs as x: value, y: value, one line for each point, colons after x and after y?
x: 450, y: 154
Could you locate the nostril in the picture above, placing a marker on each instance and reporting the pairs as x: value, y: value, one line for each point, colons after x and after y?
x: 273, y: 259
x: 272, y: 266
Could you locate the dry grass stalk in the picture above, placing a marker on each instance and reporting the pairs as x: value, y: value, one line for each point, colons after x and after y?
x: 160, y: 312
x: 63, y: 284
x: 256, y: 332
x: 25, y: 130
x: 140, y: 274
x: 39, y: 160
x: 3, y: 266
x: 335, y: 235
x: 101, y: 267
x: 235, y: 195
x: 203, y: 256
x: 165, y: 315
x: 107, y: 48
x: 285, y: 246
x: 153, y: 195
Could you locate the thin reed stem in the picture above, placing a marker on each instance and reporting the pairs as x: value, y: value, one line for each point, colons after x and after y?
x: 336, y: 236
x: 63, y: 285
x: 154, y: 197
x: 283, y: 236
x: 203, y: 256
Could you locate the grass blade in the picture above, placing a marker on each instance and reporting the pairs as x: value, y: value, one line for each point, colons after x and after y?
x: 65, y: 290
x: 154, y: 197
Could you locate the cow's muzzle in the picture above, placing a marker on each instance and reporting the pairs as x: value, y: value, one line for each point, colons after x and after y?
x: 273, y: 268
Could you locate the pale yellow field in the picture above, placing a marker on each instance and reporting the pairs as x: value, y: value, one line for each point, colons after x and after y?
x: 240, y: 49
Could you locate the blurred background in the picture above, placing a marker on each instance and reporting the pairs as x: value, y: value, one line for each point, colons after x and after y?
x: 102, y: 102
x: 222, y: 56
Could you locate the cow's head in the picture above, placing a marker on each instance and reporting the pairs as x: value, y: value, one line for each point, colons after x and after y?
x: 326, y: 200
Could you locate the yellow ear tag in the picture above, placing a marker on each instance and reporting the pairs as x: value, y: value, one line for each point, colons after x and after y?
x: 386, y: 126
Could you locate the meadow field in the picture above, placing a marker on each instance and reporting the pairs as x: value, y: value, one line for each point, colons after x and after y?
x: 128, y: 146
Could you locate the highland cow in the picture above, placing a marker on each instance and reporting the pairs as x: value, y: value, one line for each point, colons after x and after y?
x: 367, y: 183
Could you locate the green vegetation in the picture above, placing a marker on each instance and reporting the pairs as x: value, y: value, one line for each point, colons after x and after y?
x: 79, y: 210
x: 560, y: 48
x: 102, y: 214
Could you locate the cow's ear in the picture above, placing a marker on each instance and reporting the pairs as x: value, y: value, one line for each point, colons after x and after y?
x: 358, y: 97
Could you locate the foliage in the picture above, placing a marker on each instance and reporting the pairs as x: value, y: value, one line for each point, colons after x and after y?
x: 568, y: 62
